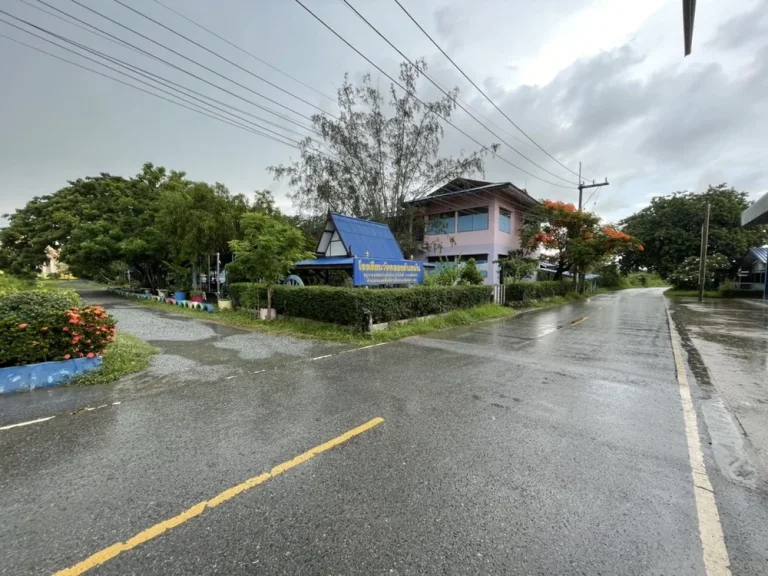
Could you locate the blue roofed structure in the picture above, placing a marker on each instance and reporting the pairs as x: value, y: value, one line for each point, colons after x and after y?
x: 345, y: 238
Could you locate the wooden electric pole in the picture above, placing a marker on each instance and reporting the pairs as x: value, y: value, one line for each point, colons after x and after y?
x: 583, y: 186
x: 703, y: 255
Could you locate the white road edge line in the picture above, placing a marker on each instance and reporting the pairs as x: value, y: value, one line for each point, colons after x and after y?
x: 716, y: 561
x: 26, y: 423
x: 320, y: 357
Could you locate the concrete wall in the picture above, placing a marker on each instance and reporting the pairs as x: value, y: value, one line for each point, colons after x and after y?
x: 492, y: 242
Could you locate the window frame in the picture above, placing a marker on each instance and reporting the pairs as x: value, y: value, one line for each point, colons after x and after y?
x: 440, y: 217
x: 473, y: 212
x: 502, y: 212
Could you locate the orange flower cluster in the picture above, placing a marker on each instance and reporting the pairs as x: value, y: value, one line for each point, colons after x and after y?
x: 614, y: 234
x: 558, y: 205
x: 92, y: 330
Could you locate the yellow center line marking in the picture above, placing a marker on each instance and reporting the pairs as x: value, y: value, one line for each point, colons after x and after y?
x: 110, y: 552
x: 716, y: 561
x: 579, y: 321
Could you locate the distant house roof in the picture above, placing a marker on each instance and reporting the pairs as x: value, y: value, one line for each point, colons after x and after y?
x: 465, y: 186
x: 757, y: 254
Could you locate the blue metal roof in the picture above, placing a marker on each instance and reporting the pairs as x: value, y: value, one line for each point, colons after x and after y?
x: 761, y: 253
x: 367, y: 239
x: 330, y: 261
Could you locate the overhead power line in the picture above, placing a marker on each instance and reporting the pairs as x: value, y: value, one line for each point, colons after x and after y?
x: 483, y: 146
x: 155, y: 77
x: 220, y: 119
x: 195, y: 107
x: 192, y: 74
x: 480, y: 90
x: 439, y: 87
x: 244, y: 51
x: 212, y: 71
x: 236, y: 65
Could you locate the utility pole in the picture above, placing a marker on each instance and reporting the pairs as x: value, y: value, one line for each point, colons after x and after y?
x: 703, y: 255
x: 583, y: 186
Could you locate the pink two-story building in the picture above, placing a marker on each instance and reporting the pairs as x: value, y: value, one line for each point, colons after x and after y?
x: 473, y: 219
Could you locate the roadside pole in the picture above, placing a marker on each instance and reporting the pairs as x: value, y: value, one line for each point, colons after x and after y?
x: 703, y: 255
x: 582, y: 186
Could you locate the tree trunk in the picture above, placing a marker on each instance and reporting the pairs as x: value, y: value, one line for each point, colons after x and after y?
x: 269, y: 301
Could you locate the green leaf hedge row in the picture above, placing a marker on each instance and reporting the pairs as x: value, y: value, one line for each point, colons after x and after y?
x: 522, y: 291
x: 346, y: 306
x: 39, y: 326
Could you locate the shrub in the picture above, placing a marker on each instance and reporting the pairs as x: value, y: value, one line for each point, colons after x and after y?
x: 38, y: 326
x: 522, y: 291
x: 347, y: 305
x: 733, y: 293
x: 470, y: 274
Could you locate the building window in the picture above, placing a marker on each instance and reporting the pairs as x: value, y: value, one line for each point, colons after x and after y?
x: 444, y: 223
x: 505, y: 221
x: 473, y: 220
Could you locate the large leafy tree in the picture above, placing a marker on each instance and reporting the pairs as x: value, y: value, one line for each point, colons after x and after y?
x: 197, y: 219
x: 670, y: 230
x: 95, y: 221
x: 106, y: 224
x: 377, y: 155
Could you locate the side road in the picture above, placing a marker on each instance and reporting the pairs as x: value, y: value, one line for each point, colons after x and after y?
x: 192, y: 351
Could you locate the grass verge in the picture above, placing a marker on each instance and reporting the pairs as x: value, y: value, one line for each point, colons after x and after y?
x: 302, y: 328
x: 126, y: 355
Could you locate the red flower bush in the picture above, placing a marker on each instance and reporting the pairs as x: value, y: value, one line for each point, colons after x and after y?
x: 38, y: 326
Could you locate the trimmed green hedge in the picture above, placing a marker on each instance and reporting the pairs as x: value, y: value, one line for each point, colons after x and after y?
x: 347, y: 305
x: 522, y: 291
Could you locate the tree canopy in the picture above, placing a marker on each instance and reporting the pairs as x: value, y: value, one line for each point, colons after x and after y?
x: 377, y: 155
x: 670, y: 230
x: 153, y: 224
x: 571, y: 239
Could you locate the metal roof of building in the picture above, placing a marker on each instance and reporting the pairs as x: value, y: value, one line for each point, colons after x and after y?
x: 760, y: 253
x: 459, y: 186
x: 757, y: 213
x: 366, y: 239
x: 331, y: 261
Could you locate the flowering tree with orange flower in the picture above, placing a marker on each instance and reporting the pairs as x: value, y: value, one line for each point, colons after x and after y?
x: 571, y: 239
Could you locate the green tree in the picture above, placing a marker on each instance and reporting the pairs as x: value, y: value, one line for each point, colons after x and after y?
x: 470, y: 274
x: 377, y: 155
x: 269, y: 248
x: 686, y: 276
x: 670, y: 230
x: 102, y: 225
x: 516, y: 265
x: 573, y: 240
x: 198, y: 219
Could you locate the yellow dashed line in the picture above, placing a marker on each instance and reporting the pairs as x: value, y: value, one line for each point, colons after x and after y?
x: 107, y: 554
x: 579, y: 321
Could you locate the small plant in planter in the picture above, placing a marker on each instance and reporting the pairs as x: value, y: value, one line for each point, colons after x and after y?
x: 197, y: 295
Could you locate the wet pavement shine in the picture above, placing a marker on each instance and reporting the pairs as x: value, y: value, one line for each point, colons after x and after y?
x: 549, y: 443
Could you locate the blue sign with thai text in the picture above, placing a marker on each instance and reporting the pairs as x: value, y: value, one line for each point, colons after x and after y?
x: 378, y: 272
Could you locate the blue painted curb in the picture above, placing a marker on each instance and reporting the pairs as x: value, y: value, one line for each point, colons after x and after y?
x: 45, y: 374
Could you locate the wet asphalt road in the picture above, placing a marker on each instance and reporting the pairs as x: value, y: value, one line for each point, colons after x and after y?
x: 550, y: 443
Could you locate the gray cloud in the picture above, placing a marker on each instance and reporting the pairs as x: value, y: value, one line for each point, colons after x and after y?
x: 637, y: 113
x: 743, y: 29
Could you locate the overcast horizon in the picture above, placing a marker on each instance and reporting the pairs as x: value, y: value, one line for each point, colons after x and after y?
x: 603, y: 82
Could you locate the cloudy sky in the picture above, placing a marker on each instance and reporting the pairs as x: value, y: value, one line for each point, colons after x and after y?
x: 598, y: 81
